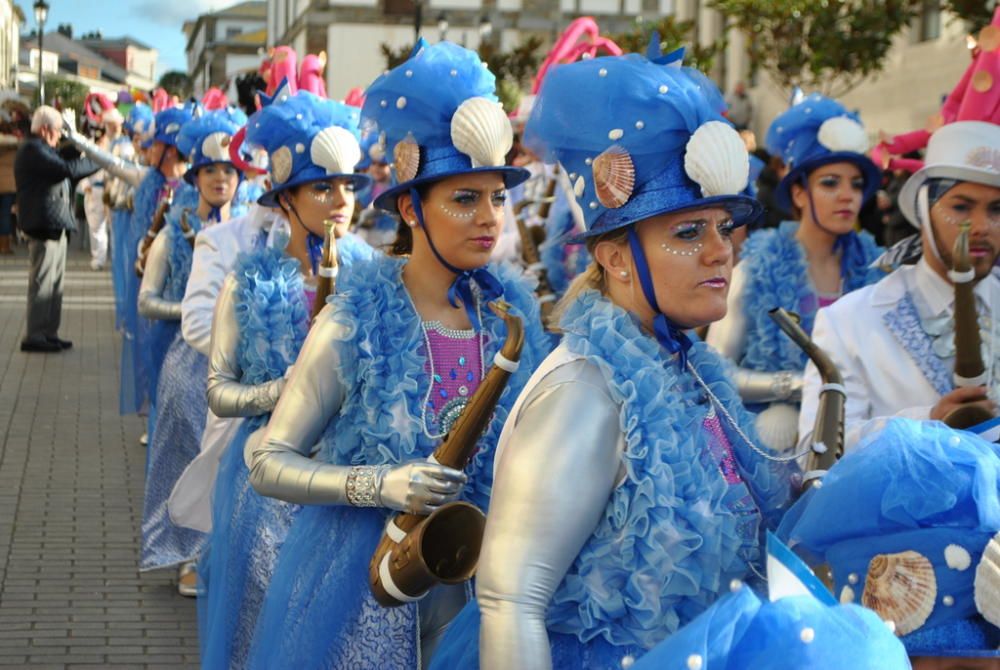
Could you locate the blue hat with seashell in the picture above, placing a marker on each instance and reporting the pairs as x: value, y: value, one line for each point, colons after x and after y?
x: 647, y: 139
x: 205, y: 141
x: 168, y: 123
x: 814, y: 132
x: 908, y: 523
x: 438, y: 116
x: 139, y: 121
x: 798, y: 624
x: 307, y: 138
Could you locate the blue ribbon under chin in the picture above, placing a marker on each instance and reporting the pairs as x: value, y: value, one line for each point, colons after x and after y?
x: 315, y: 245
x: 670, y: 336
x: 461, y: 288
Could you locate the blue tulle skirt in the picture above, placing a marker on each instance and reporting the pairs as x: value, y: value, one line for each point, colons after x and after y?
x: 459, y: 650
x: 161, y: 334
x: 319, y: 612
x: 133, y: 370
x: 176, y: 440
x: 119, y: 257
x: 248, y: 531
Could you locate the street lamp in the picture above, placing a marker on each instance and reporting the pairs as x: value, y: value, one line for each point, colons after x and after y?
x: 41, y: 13
x: 442, y: 25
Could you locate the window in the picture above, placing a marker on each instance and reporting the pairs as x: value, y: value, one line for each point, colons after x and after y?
x: 233, y: 32
x: 928, y: 23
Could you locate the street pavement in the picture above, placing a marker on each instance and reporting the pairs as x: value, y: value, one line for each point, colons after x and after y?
x: 71, y: 481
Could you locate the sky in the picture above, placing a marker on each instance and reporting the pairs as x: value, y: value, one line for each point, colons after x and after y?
x: 155, y: 22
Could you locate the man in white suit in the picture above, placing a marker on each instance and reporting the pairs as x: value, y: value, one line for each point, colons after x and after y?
x: 894, y: 341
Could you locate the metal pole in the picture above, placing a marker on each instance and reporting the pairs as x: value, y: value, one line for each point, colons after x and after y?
x: 41, y: 54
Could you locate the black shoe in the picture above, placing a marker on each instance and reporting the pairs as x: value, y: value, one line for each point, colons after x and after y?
x: 64, y: 344
x: 43, y: 346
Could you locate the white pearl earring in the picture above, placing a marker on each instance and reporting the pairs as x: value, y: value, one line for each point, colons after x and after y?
x: 624, y: 274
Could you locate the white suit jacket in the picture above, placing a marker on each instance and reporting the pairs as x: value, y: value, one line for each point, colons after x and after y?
x: 875, y: 337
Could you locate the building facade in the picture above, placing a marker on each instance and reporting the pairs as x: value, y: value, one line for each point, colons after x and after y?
x: 138, y: 60
x: 223, y: 44
x: 11, y: 20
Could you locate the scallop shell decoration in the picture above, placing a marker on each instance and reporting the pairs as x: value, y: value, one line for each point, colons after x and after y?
x: 406, y: 159
x: 335, y: 150
x: 481, y: 131
x: 716, y: 159
x: 281, y: 165
x: 901, y: 588
x: 614, y: 177
x: 843, y: 134
x: 987, y: 583
x: 216, y: 147
x: 778, y: 426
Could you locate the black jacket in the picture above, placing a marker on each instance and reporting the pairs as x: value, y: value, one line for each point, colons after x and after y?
x: 44, y: 196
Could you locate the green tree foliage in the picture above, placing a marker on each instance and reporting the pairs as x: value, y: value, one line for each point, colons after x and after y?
x: 67, y: 93
x: 514, y: 69
x: 176, y: 83
x: 977, y: 13
x: 394, y: 57
x: 829, y: 46
x: 673, y: 34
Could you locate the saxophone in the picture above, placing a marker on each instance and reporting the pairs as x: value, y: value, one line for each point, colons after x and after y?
x: 828, y: 430
x: 417, y: 552
x: 326, y: 283
x: 188, y: 232
x: 969, y: 367
x: 529, y: 251
x: 159, y: 219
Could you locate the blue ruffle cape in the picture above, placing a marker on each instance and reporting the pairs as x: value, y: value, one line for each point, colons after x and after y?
x: 248, y: 529
x: 778, y: 276
x: 319, y: 611
x: 667, y: 546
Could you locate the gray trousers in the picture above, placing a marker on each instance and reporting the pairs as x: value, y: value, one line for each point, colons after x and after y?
x: 47, y: 265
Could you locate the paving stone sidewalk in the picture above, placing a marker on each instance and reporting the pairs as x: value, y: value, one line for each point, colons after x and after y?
x: 71, y: 480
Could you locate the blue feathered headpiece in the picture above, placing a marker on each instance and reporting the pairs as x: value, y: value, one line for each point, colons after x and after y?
x: 639, y: 138
x: 438, y: 117
x: 818, y: 131
x: 169, y: 122
x: 908, y: 523
x: 205, y: 141
x: 307, y: 138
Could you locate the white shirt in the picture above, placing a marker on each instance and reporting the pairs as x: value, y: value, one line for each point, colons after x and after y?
x: 877, y: 341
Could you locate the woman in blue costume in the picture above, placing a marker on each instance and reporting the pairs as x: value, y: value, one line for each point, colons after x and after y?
x: 802, y: 265
x: 260, y: 321
x: 387, y: 367
x: 180, y: 410
x: 629, y: 491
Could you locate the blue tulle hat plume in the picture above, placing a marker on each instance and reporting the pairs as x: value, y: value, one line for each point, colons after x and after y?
x: 817, y: 131
x: 438, y: 116
x: 794, y: 629
x: 205, y: 141
x: 908, y: 523
x: 169, y: 122
x: 140, y: 122
x: 307, y: 138
x: 639, y: 138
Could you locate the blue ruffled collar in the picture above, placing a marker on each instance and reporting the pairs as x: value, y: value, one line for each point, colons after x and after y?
x: 667, y: 546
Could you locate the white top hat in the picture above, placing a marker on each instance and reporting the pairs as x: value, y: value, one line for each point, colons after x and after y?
x: 964, y: 150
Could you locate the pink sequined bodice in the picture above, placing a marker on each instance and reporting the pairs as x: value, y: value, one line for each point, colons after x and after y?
x: 455, y: 367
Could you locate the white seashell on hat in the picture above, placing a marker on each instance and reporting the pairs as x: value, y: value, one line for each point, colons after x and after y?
x: 481, y: 131
x: 843, y: 134
x: 716, y: 159
x: 216, y: 147
x: 986, y: 589
x: 281, y: 165
x: 335, y: 150
x: 902, y: 588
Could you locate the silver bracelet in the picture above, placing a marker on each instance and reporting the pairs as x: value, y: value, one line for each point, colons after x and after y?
x: 363, y: 484
x: 782, y: 385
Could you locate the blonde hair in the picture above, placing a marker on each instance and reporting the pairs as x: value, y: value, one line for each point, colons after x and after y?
x: 593, y: 278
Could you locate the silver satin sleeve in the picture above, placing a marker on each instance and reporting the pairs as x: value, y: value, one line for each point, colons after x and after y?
x: 152, y: 304
x: 729, y: 335
x: 209, y: 268
x: 553, y: 482
x: 227, y: 397
x: 280, y: 466
x: 119, y: 167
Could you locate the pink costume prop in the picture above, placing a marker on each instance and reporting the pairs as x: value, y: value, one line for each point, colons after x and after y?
x: 581, y: 37
x: 284, y: 62
x: 311, y: 74
x: 214, y: 99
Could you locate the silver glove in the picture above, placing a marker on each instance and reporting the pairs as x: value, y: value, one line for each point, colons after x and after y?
x: 152, y: 305
x: 281, y: 465
x: 554, y: 478
x: 115, y: 165
x: 755, y: 386
x: 227, y: 396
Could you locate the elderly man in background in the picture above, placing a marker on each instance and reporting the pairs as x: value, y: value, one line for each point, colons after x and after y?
x: 45, y: 214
